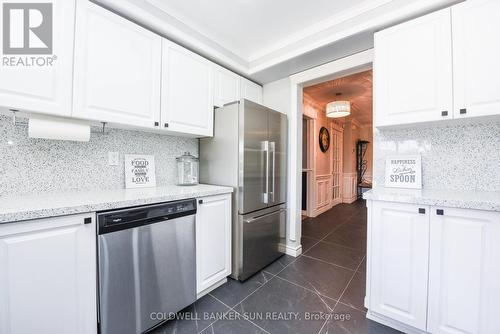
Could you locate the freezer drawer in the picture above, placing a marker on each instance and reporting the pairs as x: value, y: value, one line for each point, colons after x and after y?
x: 263, y: 239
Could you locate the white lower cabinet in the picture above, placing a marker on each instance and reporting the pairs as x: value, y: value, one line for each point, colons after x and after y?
x: 48, y: 276
x: 434, y: 269
x: 399, y: 255
x: 213, y: 241
x: 464, y: 271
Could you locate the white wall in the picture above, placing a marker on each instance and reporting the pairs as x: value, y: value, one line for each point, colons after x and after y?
x: 277, y: 95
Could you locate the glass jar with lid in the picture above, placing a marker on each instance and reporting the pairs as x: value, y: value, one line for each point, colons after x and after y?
x: 187, y: 170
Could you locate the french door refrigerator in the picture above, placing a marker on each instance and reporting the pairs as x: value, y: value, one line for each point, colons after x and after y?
x: 248, y: 153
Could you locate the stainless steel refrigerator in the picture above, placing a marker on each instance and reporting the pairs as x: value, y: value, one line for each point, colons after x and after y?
x: 248, y: 153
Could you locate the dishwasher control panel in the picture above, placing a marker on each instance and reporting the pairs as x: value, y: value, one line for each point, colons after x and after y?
x: 115, y: 220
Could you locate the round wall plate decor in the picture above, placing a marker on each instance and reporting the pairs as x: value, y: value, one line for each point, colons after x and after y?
x: 324, y: 139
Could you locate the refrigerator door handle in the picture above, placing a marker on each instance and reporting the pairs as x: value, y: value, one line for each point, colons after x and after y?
x: 272, y: 148
x: 250, y: 220
x: 265, y: 149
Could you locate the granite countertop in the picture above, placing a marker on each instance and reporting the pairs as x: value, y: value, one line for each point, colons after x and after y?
x: 24, y: 207
x: 479, y: 200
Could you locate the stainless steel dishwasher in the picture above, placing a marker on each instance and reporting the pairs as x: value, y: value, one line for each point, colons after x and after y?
x: 147, y: 265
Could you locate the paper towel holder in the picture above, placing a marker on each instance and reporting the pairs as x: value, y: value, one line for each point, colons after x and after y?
x: 19, y: 123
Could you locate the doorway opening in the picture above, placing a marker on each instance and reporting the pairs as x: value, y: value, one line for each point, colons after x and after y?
x: 337, y: 153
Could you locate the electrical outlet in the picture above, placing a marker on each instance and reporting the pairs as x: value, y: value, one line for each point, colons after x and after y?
x: 113, y: 158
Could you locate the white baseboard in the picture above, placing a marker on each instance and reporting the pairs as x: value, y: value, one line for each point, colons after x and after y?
x: 393, y: 323
x: 211, y: 288
x: 350, y: 200
x: 293, y: 251
x: 319, y: 211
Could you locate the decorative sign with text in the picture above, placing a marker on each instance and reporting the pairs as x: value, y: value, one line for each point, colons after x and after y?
x: 403, y: 171
x: 139, y: 171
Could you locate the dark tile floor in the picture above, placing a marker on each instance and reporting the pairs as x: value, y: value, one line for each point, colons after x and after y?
x: 319, y: 292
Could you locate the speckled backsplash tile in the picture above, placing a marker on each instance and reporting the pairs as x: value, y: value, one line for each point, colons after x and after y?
x: 39, y: 165
x: 454, y: 156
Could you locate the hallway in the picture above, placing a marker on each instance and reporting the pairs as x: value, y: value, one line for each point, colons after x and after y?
x: 319, y: 292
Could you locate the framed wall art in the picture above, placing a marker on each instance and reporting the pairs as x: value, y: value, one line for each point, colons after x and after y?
x: 324, y: 139
x: 139, y: 171
x: 403, y: 171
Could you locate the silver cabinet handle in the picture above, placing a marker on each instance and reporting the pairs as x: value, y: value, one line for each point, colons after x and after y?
x: 264, y: 216
x: 265, y: 149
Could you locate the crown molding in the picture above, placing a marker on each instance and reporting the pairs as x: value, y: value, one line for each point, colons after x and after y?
x: 319, y: 27
x: 367, y: 17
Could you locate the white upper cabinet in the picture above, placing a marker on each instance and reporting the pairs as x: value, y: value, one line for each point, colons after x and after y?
x: 46, y: 88
x: 413, y: 71
x: 48, y: 276
x: 117, y: 69
x: 399, y: 250
x: 213, y: 240
x: 226, y: 86
x: 187, y: 104
x: 476, y: 52
x: 464, y: 277
x: 251, y: 91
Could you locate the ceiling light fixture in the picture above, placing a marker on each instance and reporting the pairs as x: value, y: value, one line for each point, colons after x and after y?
x: 337, y: 109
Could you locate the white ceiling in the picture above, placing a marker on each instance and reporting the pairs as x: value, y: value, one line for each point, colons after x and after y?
x: 266, y: 40
x: 254, y: 28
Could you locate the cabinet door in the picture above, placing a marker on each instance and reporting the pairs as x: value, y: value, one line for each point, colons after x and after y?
x: 48, y: 276
x: 46, y: 88
x: 117, y: 69
x: 251, y: 91
x: 464, y: 272
x: 413, y: 71
x: 476, y: 52
x: 226, y: 86
x: 187, y: 94
x: 213, y: 240
x: 399, y: 262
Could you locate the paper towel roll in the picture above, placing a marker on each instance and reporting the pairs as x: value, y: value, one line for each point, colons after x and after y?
x: 58, y: 128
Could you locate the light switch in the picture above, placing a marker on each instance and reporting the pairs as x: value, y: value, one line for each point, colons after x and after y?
x: 113, y: 158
